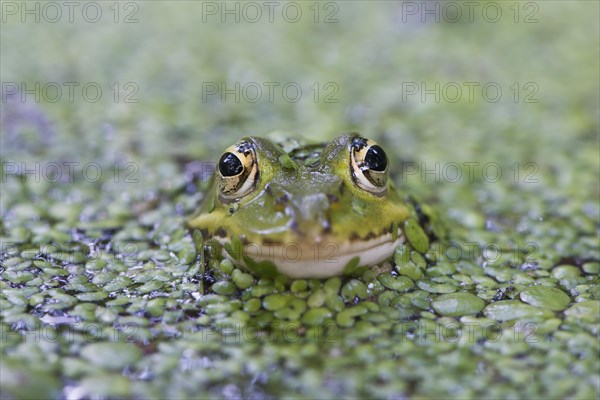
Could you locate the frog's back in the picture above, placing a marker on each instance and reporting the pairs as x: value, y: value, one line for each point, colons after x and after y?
x: 299, y: 150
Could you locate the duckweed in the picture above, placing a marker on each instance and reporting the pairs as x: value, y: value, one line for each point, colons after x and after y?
x: 410, y: 270
x: 545, y: 297
x: 92, y: 296
x: 223, y: 308
x: 402, y: 254
x: 334, y: 302
x: 252, y: 305
x: 348, y: 314
x: 457, y: 304
x: 299, y: 286
x: 317, y: 299
x: 592, y: 268
x: 354, y: 289
x: 293, y: 311
x: 111, y: 355
x: 432, y: 287
x: 104, y: 293
x: 507, y: 310
x: 333, y: 285
x: 226, y: 266
x: 241, y: 279
x: 223, y: 288
x: 275, y: 302
x: 588, y: 311
x: 316, y: 316
x: 398, y: 283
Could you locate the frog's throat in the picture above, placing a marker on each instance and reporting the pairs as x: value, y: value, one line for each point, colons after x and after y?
x: 320, y: 260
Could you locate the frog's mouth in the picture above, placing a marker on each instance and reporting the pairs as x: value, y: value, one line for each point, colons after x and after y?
x: 305, y: 259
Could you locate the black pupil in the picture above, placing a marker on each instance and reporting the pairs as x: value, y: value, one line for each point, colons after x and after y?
x: 230, y: 165
x: 375, y: 159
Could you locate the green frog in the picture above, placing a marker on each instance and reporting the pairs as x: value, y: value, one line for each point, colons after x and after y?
x: 307, y: 211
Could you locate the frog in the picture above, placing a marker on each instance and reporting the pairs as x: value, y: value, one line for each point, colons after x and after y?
x: 306, y: 210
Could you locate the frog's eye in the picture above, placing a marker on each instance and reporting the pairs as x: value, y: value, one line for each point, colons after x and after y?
x: 369, y: 165
x: 230, y: 165
x: 238, y: 171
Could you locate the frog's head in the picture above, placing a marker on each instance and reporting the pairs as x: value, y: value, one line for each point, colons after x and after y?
x: 309, y: 212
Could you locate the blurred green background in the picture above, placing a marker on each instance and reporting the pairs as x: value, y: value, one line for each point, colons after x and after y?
x: 387, y: 69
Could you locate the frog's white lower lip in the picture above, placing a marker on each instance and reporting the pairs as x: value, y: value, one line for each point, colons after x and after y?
x: 322, y: 259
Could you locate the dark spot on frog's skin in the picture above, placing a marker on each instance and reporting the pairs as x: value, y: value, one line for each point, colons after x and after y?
x: 272, y: 242
x: 284, y: 199
x: 294, y: 226
x: 355, y: 236
x: 268, y: 189
x: 245, y: 148
x: 370, y: 236
x: 423, y: 218
x: 231, y: 210
x: 359, y: 143
x: 342, y: 187
x: 332, y: 198
x: 221, y: 232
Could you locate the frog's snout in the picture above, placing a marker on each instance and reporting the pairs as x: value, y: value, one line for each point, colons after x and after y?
x: 310, y: 214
